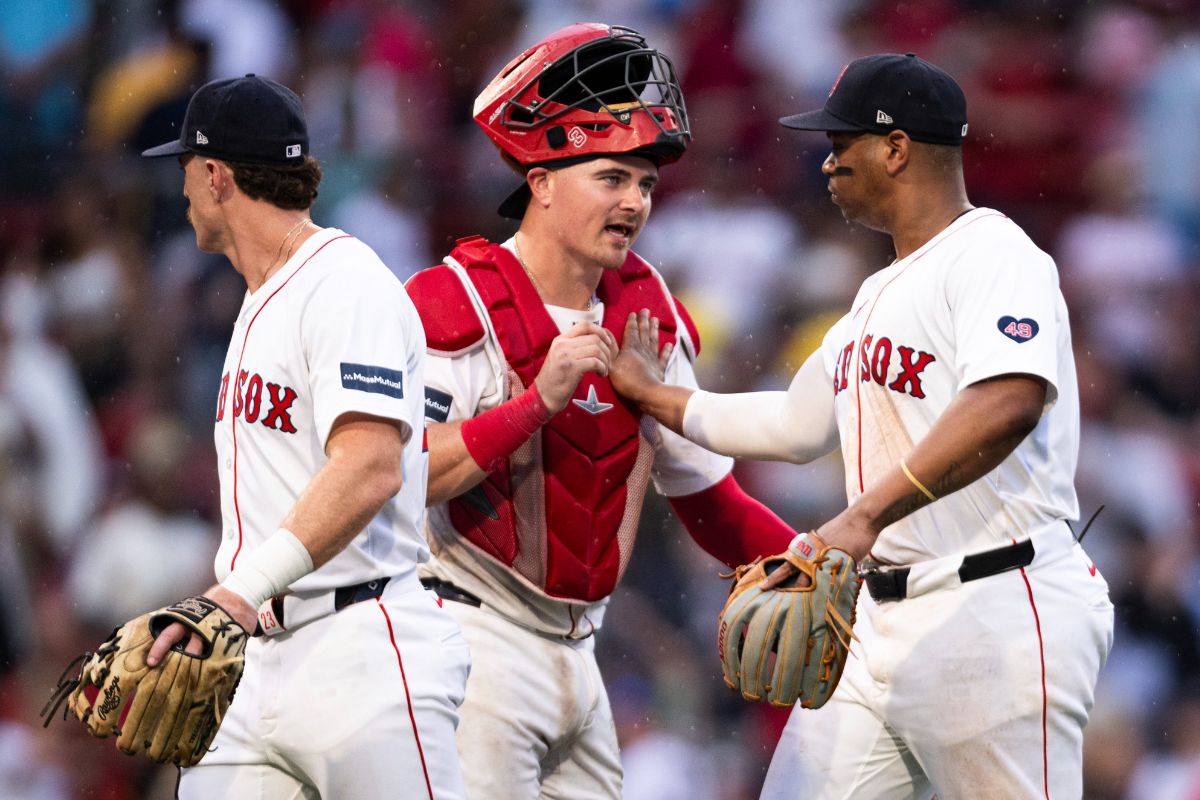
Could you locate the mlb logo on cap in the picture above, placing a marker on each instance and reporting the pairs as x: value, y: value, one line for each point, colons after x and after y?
x: 293, y: 151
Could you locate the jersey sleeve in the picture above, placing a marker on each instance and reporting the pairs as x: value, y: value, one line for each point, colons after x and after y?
x: 1006, y: 312
x: 682, y: 467
x: 459, y: 387
x: 361, y: 339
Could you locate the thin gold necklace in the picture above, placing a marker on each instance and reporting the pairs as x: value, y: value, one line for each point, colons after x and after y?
x: 536, y: 285
x: 287, y: 240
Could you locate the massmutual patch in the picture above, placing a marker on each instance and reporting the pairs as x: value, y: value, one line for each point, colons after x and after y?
x: 367, y: 378
x: 437, y: 405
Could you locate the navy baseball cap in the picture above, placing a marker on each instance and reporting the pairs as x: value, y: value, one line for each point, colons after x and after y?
x: 887, y: 92
x: 252, y: 119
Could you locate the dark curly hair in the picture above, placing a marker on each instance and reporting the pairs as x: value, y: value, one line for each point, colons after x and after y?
x: 291, y: 186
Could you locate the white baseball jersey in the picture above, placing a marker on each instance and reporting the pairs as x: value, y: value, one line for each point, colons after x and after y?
x: 473, y: 383
x: 965, y: 687
x: 360, y: 701
x: 976, y: 301
x: 333, y: 331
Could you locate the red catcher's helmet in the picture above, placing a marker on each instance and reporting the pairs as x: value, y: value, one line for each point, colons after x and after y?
x: 587, y: 90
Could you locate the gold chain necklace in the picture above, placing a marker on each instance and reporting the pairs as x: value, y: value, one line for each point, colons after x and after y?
x: 536, y: 285
x: 287, y: 240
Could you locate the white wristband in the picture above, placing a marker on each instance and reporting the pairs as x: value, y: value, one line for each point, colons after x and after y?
x: 271, y: 568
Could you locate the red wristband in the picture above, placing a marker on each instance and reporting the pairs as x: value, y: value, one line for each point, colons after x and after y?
x: 494, y: 435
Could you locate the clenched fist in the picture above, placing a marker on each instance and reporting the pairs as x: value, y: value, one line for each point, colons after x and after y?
x: 586, y: 347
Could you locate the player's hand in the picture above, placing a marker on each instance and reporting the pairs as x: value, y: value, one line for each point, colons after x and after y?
x: 778, y: 575
x: 849, y: 532
x: 173, y: 634
x: 586, y: 347
x: 640, y: 365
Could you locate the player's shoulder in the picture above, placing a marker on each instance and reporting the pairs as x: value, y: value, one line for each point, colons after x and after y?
x: 986, y: 227
x: 448, y: 313
x: 351, y: 261
x: 688, y: 333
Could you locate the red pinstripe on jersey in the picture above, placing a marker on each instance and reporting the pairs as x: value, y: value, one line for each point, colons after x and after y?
x: 233, y: 417
x: 858, y: 346
x: 407, y: 698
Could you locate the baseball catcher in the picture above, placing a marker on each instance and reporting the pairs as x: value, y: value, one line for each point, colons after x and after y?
x: 786, y: 628
x: 169, y: 712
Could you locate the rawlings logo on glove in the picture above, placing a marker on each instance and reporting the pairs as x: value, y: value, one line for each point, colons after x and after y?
x: 790, y: 643
x: 170, y: 712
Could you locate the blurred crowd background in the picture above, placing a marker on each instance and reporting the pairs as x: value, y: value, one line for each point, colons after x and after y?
x: 113, y: 326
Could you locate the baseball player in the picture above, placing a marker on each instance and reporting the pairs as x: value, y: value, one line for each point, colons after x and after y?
x: 538, y: 468
x: 351, y: 687
x: 950, y: 385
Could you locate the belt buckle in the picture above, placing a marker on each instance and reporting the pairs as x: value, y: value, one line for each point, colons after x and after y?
x: 884, y: 582
x: 869, y: 566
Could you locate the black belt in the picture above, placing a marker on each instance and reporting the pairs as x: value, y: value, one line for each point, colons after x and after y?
x: 345, y: 596
x: 892, y: 584
x: 349, y: 595
x: 448, y: 591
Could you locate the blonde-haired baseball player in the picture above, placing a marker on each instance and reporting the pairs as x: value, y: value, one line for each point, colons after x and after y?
x: 352, y: 686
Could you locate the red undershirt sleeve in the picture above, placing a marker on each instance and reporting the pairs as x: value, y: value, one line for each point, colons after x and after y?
x: 730, y: 525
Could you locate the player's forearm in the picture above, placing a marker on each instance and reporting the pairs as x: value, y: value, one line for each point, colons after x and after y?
x: 665, y: 402
x: 978, y: 430
x: 452, y: 470
x: 461, y: 453
x: 798, y: 425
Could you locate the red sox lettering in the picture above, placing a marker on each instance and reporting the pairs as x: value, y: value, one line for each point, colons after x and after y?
x: 248, y: 397
x: 875, y: 359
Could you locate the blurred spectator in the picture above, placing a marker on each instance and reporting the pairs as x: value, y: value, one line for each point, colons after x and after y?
x: 40, y: 97
x: 1119, y: 263
x: 1170, y: 155
x: 247, y: 36
x: 389, y: 217
x: 1173, y: 774
x: 161, y: 550
x: 645, y: 748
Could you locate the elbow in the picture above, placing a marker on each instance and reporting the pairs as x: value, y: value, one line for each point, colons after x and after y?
x: 1025, y: 412
x: 381, y: 481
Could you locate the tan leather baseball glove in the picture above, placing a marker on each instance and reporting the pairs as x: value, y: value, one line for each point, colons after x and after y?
x: 170, y: 712
x: 790, y: 642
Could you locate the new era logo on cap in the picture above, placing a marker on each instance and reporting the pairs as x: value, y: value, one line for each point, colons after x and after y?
x: 883, y: 118
x: 201, y: 138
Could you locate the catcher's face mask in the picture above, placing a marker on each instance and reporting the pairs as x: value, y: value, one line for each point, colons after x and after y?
x: 584, y: 91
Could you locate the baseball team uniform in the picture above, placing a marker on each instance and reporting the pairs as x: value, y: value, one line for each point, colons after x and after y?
x: 529, y: 557
x: 975, y: 667
x: 352, y: 689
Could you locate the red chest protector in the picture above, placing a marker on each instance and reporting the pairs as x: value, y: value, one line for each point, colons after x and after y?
x: 563, y: 511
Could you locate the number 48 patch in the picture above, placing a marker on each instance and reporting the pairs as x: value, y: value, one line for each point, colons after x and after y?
x: 1019, y: 330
